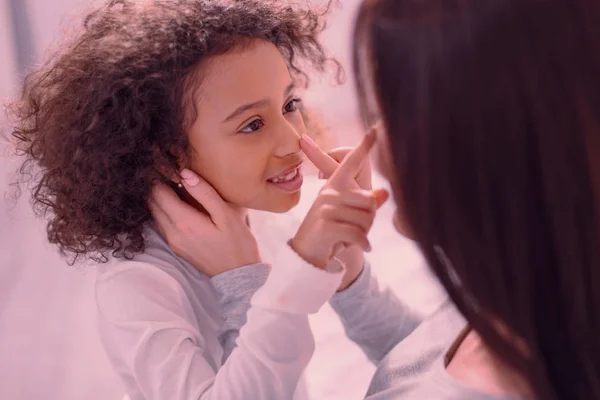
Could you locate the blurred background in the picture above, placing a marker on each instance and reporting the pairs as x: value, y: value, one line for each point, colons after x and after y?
x: 49, y: 347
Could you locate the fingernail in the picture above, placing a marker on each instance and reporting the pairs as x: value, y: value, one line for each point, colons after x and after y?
x: 190, y: 178
x: 321, y: 175
x: 381, y: 196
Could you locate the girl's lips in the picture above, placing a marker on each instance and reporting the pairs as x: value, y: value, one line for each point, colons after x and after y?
x: 285, y: 172
x: 292, y: 185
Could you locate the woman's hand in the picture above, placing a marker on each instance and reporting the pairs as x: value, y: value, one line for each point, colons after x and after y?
x: 343, y: 213
x: 212, y: 243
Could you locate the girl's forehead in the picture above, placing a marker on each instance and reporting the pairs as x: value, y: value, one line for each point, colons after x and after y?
x: 251, y: 70
x: 251, y: 78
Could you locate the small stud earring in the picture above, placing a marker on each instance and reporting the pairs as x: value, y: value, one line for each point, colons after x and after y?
x: 179, y: 185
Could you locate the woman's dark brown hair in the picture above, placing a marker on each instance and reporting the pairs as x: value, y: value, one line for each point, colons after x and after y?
x: 109, y: 111
x: 492, y: 112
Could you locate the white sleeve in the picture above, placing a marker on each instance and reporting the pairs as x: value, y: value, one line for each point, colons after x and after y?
x: 144, y: 324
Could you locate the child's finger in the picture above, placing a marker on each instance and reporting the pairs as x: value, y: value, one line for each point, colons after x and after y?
x: 206, y: 195
x: 349, y: 168
x: 360, y: 218
x: 322, y: 161
x: 161, y: 218
x: 381, y: 196
x: 361, y: 199
x: 350, y: 234
x: 339, y: 153
x: 166, y: 204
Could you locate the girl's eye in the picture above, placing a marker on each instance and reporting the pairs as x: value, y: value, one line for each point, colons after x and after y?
x: 292, y: 105
x: 253, y: 126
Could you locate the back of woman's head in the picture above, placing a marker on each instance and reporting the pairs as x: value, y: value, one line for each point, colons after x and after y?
x: 107, y: 115
x: 492, y: 114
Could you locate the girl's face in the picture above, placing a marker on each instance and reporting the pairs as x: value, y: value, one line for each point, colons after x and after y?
x: 245, y: 139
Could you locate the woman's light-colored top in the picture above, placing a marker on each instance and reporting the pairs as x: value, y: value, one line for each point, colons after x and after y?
x: 410, y: 354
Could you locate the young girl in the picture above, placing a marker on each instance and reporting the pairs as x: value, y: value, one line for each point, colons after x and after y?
x: 151, y: 91
x: 491, y: 142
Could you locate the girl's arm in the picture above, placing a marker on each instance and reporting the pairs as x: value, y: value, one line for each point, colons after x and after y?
x: 373, y: 318
x: 145, y: 326
x: 276, y: 344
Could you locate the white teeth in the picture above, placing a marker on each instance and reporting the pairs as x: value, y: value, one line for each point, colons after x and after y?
x: 286, y: 178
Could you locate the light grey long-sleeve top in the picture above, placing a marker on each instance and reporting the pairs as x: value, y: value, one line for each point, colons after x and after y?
x: 168, y: 340
x: 409, y: 352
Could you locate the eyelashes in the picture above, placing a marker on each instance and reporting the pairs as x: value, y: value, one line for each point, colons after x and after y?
x: 253, y: 126
x: 256, y: 124
x: 292, y: 105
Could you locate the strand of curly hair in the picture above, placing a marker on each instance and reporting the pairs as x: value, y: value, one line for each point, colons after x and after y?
x: 97, y: 123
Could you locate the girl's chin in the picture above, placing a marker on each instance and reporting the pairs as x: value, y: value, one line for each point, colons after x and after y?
x: 278, y: 204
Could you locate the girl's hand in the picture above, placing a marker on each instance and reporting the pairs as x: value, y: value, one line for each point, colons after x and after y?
x: 343, y: 213
x: 212, y: 243
x: 364, y: 176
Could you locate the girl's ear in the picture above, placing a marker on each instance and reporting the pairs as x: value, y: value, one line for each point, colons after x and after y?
x: 170, y: 173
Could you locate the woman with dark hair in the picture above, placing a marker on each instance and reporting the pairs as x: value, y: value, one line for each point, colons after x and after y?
x: 491, y: 140
x: 491, y: 112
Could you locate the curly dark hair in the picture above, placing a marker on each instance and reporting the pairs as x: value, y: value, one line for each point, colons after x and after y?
x: 108, y: 112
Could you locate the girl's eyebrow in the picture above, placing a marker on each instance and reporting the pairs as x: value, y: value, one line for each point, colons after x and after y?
x: 256, y: 104
x: 246, y: 107
x: 289, y: 88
